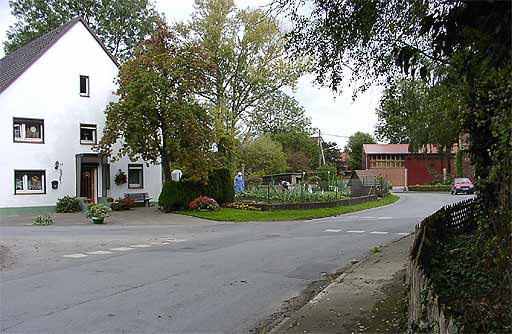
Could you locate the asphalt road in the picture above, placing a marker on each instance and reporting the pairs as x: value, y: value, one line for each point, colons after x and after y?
x: 195, y: 277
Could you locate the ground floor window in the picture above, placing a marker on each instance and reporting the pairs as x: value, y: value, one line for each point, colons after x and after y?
x: 135, y: 176
x: 29, y: 182
x: 28, y: 130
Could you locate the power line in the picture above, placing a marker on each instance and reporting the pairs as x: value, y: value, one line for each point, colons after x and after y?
x: 327, y: 134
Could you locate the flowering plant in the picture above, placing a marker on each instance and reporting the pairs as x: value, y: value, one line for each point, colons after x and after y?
x: 204, y: 203
x: 122, y: 204
x: 98, y: 211
x: 120, y: 178
x: 242, y: 206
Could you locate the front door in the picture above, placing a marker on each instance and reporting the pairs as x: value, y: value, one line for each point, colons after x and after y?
x: 87, y: 184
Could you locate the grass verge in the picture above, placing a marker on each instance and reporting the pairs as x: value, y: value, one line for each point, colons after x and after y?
x: 236, y: 215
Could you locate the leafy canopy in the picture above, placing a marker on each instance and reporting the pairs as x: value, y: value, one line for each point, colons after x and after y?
x: 354, y: 147
x: 120, y: 24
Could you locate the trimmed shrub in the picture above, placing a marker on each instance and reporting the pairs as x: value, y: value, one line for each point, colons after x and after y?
x: 220, y: 186
x: 68, y: 204
x: 177, y: 195
x: 430, y: 187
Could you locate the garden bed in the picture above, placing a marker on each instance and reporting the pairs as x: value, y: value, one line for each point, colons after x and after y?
x: 237, y: 215
x: 314, y: 205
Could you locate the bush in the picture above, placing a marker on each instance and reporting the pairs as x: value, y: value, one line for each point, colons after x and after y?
x: 429, y: 187
x: 43, y: 220
x: 122, y: 204
x: 68, y: 204
x: 220, y: 186
x: 203, y: 203
x: 177, y: 195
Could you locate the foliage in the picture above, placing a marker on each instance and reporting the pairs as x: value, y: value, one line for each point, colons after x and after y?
x: 301, y: 150
x: 332, y: 155
x: 220, y: 185
x: 289, y: 196
x: 430, y: 187
x: 203, y: 203
x: 98, y: 211
x: 354, y: 147
x: 263, y: 156
x: 122, y: 204
x: 248, y: 51
x: 375, y: 250
x: 43, y: 220
x: 69, y: 204
x: 120, y: 178
x: 242, y: 206
x: 277, y: 113
x: 458, y: 163
x: 473, y: 293
x: 235, y: 215
x: 157, y: 117
x: 177, y: 195
x: 120, y: 24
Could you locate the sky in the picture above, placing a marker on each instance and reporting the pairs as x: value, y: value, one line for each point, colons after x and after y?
x: 333, y: 114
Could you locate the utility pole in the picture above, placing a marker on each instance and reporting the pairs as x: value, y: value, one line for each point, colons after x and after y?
x: 321, y: 156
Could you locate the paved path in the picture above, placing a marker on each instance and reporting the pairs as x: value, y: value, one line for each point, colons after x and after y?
x: 191, y: 276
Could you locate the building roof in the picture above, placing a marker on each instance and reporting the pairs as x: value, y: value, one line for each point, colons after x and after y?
x: 17, y: 62
x: 386, y: 148
x: 365, y: 173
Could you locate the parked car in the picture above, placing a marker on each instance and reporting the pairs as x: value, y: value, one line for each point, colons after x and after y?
x: 462, y: 185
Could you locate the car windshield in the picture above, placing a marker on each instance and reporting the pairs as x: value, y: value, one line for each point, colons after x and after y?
x: 463, y: 181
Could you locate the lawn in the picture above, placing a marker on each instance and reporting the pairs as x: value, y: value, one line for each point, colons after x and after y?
x: 236, y: 215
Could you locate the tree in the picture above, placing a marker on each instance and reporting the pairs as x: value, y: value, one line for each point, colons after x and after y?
x: 263, y: 156
x: 278, y: 113
x: 298, y: 146
x: 354, y: 147
x: 248, y: 50
x: 120, y: 24
x: 157, y: 117
x: 417, y: 113
x: 332, y: 155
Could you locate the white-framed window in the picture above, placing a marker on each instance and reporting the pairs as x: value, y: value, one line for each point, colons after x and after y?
x: 135, y: 176
x: 29, y: 182
x: 27, y: 130
x: 87, y: 134
x: 84, y: 85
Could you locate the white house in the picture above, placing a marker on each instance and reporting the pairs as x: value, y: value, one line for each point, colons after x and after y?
x: 53, y: 94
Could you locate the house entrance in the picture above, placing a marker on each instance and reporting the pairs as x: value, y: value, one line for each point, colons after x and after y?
x: 87, y: 184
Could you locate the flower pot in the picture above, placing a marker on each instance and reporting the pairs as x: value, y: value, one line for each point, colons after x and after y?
x: 97, y: 220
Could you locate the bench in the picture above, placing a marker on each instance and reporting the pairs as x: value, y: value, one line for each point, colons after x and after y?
x: 139, y: 197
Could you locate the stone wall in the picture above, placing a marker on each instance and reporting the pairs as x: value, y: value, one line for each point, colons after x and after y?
x: 315, y: 205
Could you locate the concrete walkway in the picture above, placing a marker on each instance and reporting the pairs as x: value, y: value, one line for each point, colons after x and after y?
x: 351, y: 302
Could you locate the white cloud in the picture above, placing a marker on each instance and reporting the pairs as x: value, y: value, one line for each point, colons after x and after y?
x: 333, y: 114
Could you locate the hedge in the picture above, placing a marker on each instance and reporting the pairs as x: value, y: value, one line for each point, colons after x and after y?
x: 430, y: 187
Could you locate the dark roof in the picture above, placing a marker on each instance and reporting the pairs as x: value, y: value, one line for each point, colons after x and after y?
x: 15, y: 63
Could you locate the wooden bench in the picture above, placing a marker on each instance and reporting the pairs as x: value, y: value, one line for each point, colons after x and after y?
x: 139, y: 197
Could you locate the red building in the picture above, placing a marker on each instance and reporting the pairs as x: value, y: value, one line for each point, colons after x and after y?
x: 402, y: 168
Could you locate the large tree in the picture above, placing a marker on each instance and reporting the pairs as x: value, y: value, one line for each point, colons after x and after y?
x: 263, y: 156
x: 354, y: 147
x: 157, y: 117
x: 248, y: 50
x: 121, y: 24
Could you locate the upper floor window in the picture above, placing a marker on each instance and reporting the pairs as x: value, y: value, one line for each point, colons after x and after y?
x: 135, y: 176
x: 88, y: 134
x: 84, y: 85
x: 29, y: 182
x: 28, y: 130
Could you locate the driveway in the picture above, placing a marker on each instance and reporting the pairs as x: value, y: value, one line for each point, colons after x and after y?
x: 191, y: 276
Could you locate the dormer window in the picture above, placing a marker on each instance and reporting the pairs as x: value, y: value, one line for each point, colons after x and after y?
x: 84, y: 85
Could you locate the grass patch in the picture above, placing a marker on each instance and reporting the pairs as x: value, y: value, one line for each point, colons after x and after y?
x: 236, y: 215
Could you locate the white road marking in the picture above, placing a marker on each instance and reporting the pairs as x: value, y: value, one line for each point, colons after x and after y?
x: 356, y: 231
x: 368, y: 217
x: 384, y: 217
x: 121, y: 249
x: 75, y: 256
x: 332, y: 231
x: 377, y: 232
x: 140, y: 246
x: 100, y: 252
x: 155, y: 243
x: 176, y: 240
x: 403, y: 233
x: 164, y: 243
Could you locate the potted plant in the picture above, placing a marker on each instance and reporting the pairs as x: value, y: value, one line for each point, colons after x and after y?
x: 120, y: 178
x: 97, y: 213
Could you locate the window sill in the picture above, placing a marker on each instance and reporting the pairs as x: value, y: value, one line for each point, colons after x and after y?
x: 87, y: 143
x: 85, y: 95
x: 135, y: 187
x: 31, y: 193
x: 29, y: 141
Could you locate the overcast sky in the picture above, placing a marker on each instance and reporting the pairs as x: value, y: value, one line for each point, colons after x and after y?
x: 331, y: 113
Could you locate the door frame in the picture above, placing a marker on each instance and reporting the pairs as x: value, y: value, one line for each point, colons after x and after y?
x: 94, y: 180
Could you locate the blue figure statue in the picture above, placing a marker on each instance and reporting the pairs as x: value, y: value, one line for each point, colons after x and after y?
x: 239, y: 183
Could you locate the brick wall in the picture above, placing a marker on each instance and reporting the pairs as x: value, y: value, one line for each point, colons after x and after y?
x: 394, y: 175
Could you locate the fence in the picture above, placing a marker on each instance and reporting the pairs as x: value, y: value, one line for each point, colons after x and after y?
x: 424, y: 308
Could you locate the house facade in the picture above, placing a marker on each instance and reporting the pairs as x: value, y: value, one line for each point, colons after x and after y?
x: 53, y: 94
x: 402, y: 167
